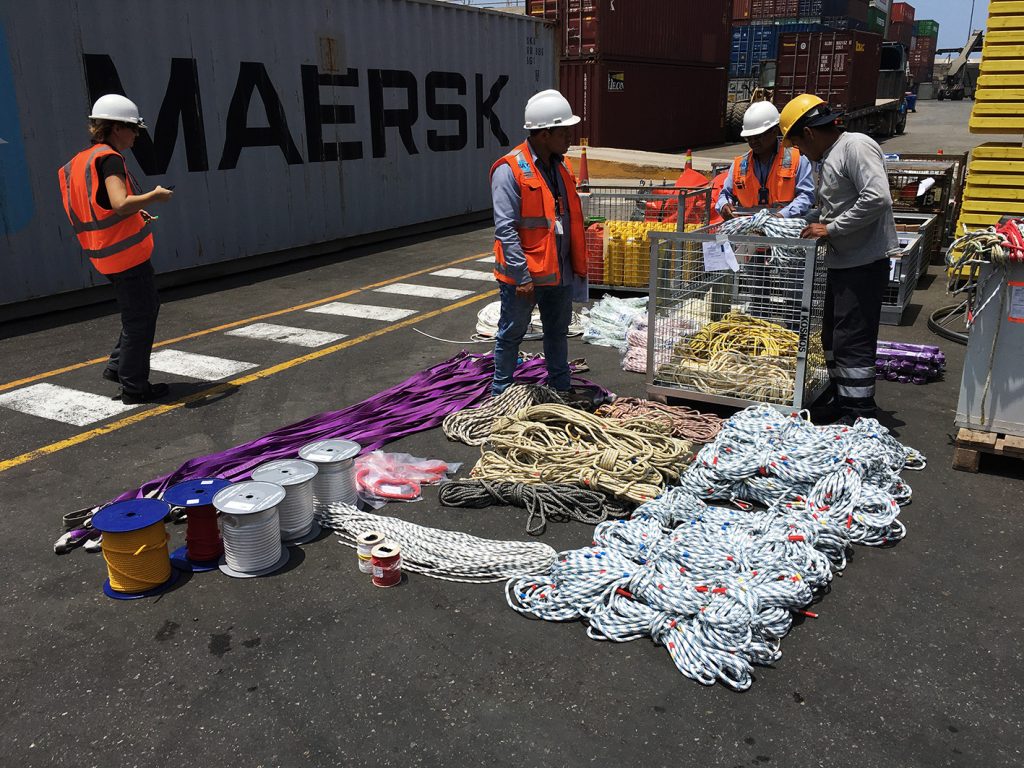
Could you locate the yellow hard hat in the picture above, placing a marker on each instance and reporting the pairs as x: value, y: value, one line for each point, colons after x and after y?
x: 796, y: 109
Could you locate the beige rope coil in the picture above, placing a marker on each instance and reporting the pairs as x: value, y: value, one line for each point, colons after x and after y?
x: 554, y: 443
x: 761, y: 378
x: 684, y: 423
x: 472, y: 426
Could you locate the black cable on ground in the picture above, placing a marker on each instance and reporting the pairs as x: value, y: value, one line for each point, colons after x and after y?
x: 936, y: 318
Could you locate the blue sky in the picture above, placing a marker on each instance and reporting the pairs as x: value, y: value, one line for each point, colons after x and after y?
x: 953, y: 16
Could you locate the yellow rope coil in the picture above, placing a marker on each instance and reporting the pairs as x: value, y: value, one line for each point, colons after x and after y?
x: 558, y: 444
x: 137, y: 561
x: 737, y: 332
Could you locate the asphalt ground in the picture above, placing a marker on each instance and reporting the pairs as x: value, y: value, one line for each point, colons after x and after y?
x: 914, y: 660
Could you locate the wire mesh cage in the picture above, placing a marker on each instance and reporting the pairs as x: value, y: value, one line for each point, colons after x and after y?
x: 959, y: 163
x: 736, y: 337
x: 927, y: 225
x: 904, y: 271
x: 908, y: 180
x: 619, y: 223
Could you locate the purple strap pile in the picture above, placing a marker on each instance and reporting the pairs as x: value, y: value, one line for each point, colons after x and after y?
x: 909, y: 363
x: 417, y: 404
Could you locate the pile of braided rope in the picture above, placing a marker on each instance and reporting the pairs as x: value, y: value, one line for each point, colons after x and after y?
x: 682, y: 422
x: 718, y: 587
x: 766, y: 223
x: 441, y: 554
x: 559, y: 502
x: 472, y: 426
x: 738, y: 356
x: 556, y: 444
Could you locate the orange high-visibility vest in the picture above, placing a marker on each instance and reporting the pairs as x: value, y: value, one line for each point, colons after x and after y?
x: 112, y: 242
x: 537, y: 222
x: 781, y: 179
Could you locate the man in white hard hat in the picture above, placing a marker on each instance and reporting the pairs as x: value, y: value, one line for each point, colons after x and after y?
x: 768, y: 176
x: 539, y: 256
x: 105, y: 204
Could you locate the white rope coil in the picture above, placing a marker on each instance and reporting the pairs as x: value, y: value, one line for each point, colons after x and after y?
x: 441, y: 554
x: 472, y: 426
x: 335, y: 481
x: 296, y: 509
x: 766, y: 223
x: 252, y: 543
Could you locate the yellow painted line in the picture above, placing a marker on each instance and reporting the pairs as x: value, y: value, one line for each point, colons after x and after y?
x: 246, y: 321
x: 227, y: 386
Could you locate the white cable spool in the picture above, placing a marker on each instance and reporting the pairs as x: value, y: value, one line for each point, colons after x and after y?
x: 251, y: 529
x: 296, y: 510
x: 335, y: 482
x: 364, y: 547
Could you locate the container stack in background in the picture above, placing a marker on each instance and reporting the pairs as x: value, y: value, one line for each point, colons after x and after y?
x: 878, y: 17
x: 648, y: 75
x: 901, y: 25
x: 922, y: 54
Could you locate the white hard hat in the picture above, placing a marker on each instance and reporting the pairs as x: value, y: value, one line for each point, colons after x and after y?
x: 548, y: 109
x: 760, y: 116
x: 117, y: 108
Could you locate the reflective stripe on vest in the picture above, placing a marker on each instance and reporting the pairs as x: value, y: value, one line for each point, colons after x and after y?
x: 128, y: 242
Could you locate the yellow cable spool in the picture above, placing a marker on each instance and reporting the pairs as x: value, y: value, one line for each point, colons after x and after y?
x: 135, y: 548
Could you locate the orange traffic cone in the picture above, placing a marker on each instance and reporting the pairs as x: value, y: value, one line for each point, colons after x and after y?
x: 584, y: 180
x: 689, y: 159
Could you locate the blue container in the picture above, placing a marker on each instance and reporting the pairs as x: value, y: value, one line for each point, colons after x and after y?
x: 911, y: 100
x: 752, y: 45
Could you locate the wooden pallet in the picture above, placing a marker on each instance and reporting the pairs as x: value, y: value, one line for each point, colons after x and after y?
x: 971, y: 443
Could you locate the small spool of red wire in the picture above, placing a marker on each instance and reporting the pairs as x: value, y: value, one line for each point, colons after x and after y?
x: 387, y: 564
x: 203, y: 544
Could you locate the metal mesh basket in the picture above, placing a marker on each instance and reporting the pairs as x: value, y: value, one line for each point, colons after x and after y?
x: 959, y: 178
x: 737, y: 338
x: 927, y: 225
x: 904, y: 180
x: 904, y: 271
x: 620, y: 221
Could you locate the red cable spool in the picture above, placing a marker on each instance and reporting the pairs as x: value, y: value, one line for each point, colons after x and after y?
x: 203, y: 544
x: 387, y: 564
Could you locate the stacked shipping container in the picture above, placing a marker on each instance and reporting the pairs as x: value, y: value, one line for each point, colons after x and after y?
x: 922, y: 54
x: 901, y: 24
x: 758, y: 25
x: 840, y: 67
x: 634, y: 72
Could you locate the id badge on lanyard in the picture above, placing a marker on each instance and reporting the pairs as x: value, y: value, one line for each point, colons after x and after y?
x: 559, y: 206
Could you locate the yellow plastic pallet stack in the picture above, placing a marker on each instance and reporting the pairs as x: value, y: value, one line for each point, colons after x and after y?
x: 995, y: 173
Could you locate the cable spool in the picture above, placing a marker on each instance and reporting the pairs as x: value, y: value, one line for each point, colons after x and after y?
x: 364, y: 549
x: 335, y: 482
x: 251, y: 529
x: 387, y: 564
x: 203, y: 545
x: 135, y: 548
x: 296, y: 511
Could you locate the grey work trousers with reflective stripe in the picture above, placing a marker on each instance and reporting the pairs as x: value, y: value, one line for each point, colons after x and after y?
x: 139, y: 304
x: 849, y: 333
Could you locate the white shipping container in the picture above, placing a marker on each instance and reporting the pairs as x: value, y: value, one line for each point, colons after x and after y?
x: 285, y: 126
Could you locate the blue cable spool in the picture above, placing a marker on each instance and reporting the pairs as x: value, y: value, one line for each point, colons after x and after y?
x: 190, y: 495
x: 128, y: 516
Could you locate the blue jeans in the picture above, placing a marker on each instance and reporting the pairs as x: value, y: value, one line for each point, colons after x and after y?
x: 555, y: 313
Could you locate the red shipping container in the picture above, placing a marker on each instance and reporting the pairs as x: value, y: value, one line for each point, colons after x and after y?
x: 901, y: 32
x: 925, y: 46
x: 902, y: 13
x: 840, y: 67
x: 741, y: 10
x: 676, y: 31
x: 641, y: 105
x: 762, y: 9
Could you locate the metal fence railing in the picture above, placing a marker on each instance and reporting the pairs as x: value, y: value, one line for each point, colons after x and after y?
x: 619, y: 225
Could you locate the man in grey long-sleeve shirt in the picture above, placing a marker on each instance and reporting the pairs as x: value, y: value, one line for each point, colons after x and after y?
x: 856, y: 218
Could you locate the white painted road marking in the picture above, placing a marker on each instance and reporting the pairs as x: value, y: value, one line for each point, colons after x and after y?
x: 486, y: 260
x: 70, y: 406
x: 424, y: 291
x: 363, y: 311
x: 466, y: 274
x: 284, y: 334
x: 196, y: 366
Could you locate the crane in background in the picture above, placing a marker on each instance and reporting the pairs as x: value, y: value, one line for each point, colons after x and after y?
x: 957, y: 80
